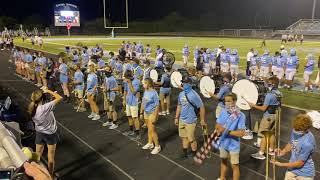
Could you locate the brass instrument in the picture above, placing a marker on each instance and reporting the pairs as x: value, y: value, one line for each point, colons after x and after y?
x: 267, y: 135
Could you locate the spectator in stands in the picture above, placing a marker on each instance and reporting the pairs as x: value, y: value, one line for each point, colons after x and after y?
x: 45, y: 124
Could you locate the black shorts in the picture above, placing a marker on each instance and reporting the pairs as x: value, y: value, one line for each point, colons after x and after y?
x: 46, y: 139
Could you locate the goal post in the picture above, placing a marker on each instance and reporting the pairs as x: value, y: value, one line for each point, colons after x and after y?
x: 115, y: 27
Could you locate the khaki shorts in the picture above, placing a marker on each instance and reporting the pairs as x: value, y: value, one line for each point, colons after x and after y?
x: 78, y: 93
x: 292, y: 176
x: 187, y: 130
x: 108, y: 105
x: 234, y: 156
x: 267, y: 124
x: 147, y: 116
x: 132, y: 111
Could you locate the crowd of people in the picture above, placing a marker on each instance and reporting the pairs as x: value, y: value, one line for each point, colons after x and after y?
x: 83, y: 74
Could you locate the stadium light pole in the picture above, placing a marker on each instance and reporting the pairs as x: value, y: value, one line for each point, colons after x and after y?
x: 313, y: 9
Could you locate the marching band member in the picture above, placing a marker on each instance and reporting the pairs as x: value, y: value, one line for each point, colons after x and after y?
x: 131, y: 87
x: 308, y: 70
x: 254, y: 65
x: 223, y: 91
x: 165, y: 91
x: 292, y: 66
x: 186, y: 116
x: 234, y: 65
x: 146, y: 69
x: 302, y: 145
x: 206, y: 60
x: 149, y: 111
x: 148, y: 51
x: 139, y: 50
x: 159, y: 59
x: 78, y: 81
x: 213, y: 61
x: 110, y: 85
x: 91, y: 91
x: 269, y: 107
x: 28, y: 61
x: 231, y: 127
x: 63, y: 70
x: 85, y: 57
x: 225, y: 58
x: 185, y: 55
x: 112, y: 60
x: 265, y: 65
x: 43, y: 72
x: 118, y: 71
x: 195, y: 56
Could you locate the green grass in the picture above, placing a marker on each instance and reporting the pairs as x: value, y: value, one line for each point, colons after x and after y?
x: 175, y: 45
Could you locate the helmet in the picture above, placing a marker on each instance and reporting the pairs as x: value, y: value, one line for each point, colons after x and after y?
x: 234, y: 52
x: 284, y: 53
x: 266, y: 52
x: 282, y: 47
x: 208, y: 51
x: 292, y: 52
x: 255, y: 53
x: 310, y: 57
x: 228, y: 50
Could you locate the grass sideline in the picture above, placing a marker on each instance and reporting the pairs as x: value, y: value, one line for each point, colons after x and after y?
x: 293, y: 98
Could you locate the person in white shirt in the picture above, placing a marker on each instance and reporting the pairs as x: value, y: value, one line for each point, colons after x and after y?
x: 249, y: 56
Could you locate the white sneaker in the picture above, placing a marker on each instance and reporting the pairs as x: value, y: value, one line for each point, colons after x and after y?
x: 148, y: 146
x: 91, y: 115
x: 248, y: 135
x: 96, y: 117
x: 168, y: 112
x: 107, y: 124
x: 113, y: 126
x: 162, y: 113
x: 156, y: 150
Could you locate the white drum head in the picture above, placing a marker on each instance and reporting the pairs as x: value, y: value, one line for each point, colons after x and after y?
x: 246, y: 91
x: 207, y: 85
x: 154, y: 75
x: 176, y: 79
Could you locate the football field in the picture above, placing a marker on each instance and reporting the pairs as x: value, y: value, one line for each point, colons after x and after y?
x: 56, y: 44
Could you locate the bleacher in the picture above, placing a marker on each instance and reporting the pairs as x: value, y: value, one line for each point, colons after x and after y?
x: 305, y: 26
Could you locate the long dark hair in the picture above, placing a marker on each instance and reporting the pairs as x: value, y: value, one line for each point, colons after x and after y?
x: 36, y: 98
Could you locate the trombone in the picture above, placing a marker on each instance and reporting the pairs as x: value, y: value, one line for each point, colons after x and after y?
x: 267, y: 135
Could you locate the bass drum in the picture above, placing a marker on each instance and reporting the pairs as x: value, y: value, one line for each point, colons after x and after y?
x: 246, y: 92
x: 176, y: 79
x: 156, y: 74
x: 206, y: 86
x: 262, y: 91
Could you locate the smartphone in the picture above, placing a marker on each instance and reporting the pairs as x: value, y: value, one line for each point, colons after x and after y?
x: 5, y: 174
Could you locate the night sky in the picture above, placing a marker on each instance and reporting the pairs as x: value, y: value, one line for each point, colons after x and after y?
x: 261, y: 12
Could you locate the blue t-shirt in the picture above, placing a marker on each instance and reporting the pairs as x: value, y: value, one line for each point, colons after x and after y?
x: 292, y: 62
x: 270, y: 100
x: 110, y: 83
x: 118, y: 67
x: 92, y: 81
x: 101, y: 63
x: 137, y: 71
x: 112, y: 62
x: 78, y: 76
x: 196, y: 53
x: 150, y: 101
x: 281, y: 61
x: 187, y: 114
x: 148, y: 50
x: 224, y: 90
x: 302, y: 148
x: 85, y: 59
x: 28, y: 58
x: 63, y: 69
x: 231, y: 143
x: 131, y: 98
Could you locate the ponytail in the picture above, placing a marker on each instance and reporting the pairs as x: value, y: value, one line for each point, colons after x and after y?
x: 36, y: 98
